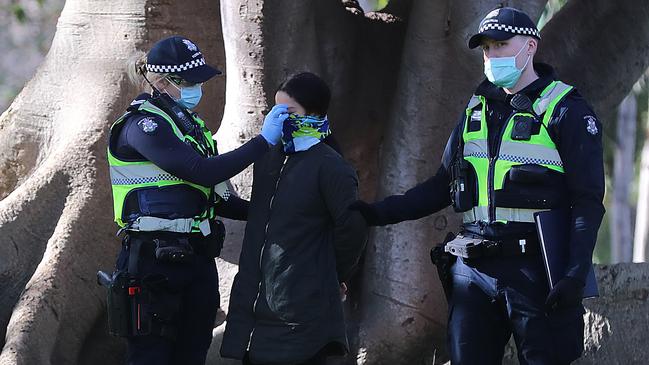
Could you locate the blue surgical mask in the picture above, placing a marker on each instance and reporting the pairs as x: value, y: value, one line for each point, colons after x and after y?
x: 190, y: 96
x: 502, y: 71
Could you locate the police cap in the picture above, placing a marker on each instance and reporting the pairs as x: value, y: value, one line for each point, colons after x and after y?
x: 180, y: 56
x: 504, y: 23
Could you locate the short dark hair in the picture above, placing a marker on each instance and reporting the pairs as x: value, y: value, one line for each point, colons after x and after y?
x: 309, y: 90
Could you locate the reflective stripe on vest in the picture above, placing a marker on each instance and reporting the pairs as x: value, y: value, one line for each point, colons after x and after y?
x: 490, y: 174
x: 502, y: 214
x: 139, y: 174
x: 127, y: 176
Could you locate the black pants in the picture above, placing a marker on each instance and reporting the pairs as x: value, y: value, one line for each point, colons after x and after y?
x: 319, y: 359
x: 493, y: 298
x: 192, y: 300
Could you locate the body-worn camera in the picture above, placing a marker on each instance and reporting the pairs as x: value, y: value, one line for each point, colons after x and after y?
x: 522, y: 129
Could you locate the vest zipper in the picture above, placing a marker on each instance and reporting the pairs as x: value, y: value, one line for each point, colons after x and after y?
x: 492, y: 167
x: 263, y: 246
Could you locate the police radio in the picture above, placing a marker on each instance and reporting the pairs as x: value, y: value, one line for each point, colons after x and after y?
x: 461, y: 186
x: 169, y: 106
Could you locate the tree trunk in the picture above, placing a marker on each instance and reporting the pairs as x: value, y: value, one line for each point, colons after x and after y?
x: 641, y: 235
x: 55, y: 230
x: 579, y: 41
x: 398, y: 89
x: 623, y: 175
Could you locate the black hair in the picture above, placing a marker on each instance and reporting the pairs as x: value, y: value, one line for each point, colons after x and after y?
x: 309, y: 90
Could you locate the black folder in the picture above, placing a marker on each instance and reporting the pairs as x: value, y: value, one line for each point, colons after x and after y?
x: 553, y: 228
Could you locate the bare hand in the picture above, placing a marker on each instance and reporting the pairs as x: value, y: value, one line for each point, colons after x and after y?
x: 343, y: 292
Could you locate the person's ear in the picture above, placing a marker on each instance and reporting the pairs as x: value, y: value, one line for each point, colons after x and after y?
x: 532, y: 45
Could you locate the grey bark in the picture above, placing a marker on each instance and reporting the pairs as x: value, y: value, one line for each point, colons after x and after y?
x: 623, y: 176
x: 55, y: 230
x: 641, y: 234
x: 600, y: 46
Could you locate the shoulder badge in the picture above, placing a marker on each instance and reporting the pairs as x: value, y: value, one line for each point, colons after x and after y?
x: 147, y: 125
x: 591, y: 124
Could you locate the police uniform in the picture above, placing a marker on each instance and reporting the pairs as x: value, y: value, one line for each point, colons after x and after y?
x: 509, y: 157
x: 168, y: 186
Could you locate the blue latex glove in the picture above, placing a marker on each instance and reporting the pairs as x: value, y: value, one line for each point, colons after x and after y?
x: 272, y: 128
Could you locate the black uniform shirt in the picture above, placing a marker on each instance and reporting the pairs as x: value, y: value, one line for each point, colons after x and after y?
x: 577, y: 134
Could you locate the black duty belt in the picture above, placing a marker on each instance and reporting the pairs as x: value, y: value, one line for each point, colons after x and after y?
x: 475, y: 247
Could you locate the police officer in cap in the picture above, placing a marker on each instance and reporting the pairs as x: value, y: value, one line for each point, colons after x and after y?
x: 525, y: 143
x: 168, y: 184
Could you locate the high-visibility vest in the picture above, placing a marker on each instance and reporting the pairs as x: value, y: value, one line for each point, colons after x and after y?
x: 491, y: 171
x: 129, y: 176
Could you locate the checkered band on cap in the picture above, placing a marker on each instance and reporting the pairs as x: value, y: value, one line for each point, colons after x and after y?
x: 510, y: 29
x: 175, y: 68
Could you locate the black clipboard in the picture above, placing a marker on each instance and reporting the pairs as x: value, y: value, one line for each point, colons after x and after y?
x: 553, y: 229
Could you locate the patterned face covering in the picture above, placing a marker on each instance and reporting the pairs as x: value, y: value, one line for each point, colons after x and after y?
x: 301, y: 132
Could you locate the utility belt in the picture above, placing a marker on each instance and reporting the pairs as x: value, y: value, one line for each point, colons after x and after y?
x: 174, y: 240
x: 179, y: 225
x: 143, y: 305
x: 471, y: 247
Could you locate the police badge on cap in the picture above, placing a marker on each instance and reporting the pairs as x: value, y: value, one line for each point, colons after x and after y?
x: 504, y: 23
x: 178, y: 55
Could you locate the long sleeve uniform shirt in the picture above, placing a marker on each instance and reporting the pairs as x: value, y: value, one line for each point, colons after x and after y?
x: 577, y: 134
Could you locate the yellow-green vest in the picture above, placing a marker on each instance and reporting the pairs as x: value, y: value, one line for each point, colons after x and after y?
x: 128, y: 176
x: 492, y: 170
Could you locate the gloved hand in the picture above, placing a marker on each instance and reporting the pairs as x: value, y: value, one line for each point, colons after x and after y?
x: 568, y: 292
x: 368, y: 211
x: 272, y: 128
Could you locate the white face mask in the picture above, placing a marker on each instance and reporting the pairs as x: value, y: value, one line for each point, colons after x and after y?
x: 502, y: 71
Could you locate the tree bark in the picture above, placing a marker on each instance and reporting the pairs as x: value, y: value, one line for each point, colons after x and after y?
x: 623, y: 176
x: 641, y: 235
x: 600, y: 46
x: 55, y: 231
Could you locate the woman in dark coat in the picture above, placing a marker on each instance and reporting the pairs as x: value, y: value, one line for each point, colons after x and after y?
x: 301, y: 242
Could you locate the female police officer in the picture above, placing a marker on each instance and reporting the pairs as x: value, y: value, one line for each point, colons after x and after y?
x: 168, y: 186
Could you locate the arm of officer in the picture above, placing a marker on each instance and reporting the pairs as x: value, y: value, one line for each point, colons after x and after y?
x: 580, y: 148
x: 165, y: 150
x: 424, y: 199
x: 339, y: 188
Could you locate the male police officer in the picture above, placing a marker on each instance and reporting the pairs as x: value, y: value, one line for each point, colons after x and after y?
x: 525, y: 143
